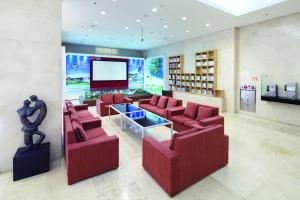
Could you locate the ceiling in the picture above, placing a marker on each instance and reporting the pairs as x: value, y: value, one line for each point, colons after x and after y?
x: 105, y: 22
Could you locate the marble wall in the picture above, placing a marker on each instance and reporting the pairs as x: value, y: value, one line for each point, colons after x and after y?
x: 30, y: 64
x: 224, y: 42
x: 272, y: 48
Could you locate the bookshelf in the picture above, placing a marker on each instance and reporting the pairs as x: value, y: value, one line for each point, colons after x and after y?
x: 203, y: 81
x: 175, y: 70
x: 206, y: 72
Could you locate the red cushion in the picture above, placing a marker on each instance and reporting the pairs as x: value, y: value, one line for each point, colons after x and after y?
x: 191, y: 110
x: 72, y: 109
x: 148, y: 107
x: 107, y: 98
x: 154, y: 99
x: 119, y: 98
x: 74, y: 117
x: 162, y: 103
x: 200, y: 128
x: 180, y: 119
x: 189, y: 123
x: 204, y: 112
x: 160, y: 112
x: 179, y: 134
x: 172, y: 103
x: 79, y: 132
x: 95, y: 133
x: 84, y: 115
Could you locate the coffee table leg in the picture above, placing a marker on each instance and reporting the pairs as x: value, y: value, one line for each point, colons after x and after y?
x: 121, y: 122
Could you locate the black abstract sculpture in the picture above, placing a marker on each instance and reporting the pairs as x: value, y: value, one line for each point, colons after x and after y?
x: 30, y: 128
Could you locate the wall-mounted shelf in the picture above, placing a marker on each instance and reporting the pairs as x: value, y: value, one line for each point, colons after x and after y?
x: 281, y: 100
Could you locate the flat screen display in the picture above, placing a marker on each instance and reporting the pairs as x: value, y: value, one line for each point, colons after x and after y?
x: 109, y: 71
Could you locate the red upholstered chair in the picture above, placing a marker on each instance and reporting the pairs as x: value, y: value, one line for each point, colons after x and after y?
x: 194, y: 114
x: 160, y: 104
x: 194, y: 155
x: 102, y: 105
x: 89, y: 151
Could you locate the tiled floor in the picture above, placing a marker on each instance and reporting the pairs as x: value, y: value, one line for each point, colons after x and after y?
x: 264, y: 164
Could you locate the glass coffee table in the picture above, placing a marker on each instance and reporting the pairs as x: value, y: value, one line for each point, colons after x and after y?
x: 139, y: 118
x: 123, y: 108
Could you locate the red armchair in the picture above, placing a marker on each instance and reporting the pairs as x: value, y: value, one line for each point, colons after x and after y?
x: 194, y: 115
x: 160, y: 104
x: 88, y: 149
x: 193, y: 156
x: 102, y: 105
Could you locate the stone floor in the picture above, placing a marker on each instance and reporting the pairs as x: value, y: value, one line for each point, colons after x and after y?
x: 264, y: 164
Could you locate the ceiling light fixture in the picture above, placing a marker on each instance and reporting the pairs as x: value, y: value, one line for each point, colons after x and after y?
x: 90, y: 29
x: 238, y: 8
x: 207, y: 25
x: 126, y: 28
x: 187, y: 31
x: 138, y: 20
x: 184, y: 18
x: 154, y: 9
x: 103, y: 12
x: 165, y: 26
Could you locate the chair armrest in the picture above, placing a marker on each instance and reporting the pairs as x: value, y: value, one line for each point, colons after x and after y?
x: 144, y: 101
x: 81, y: 107
x: 86, y: 158
x: 171, y: 109
x: 216, y: 120
x: 65, y: 111
x: 175, y: 111
x: 91, y: 123
x: 128, y: 100
x: 162, y: 164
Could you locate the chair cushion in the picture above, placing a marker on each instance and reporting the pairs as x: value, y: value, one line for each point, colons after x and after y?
x: 95, y: 133
x: 79, y: 132
x: 162, y: 103
x: 179, y: 134
x: 172, y: 103
x: 180, y: 119
x: 119, y: 98
x: 84, y: 115
x: 191, y: 110
x: 204, y: 112
x: 200, y: 128
x: 160, y: 112
x: 148, y: 107
x: 154, y: 100
x: 189, y: 123
x: 74, y: 117
x: 107, y: 98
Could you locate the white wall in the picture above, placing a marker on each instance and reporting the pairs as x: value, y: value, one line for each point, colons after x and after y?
x: 224, y: 42
x: 273, y: 48
x: 30, y: 37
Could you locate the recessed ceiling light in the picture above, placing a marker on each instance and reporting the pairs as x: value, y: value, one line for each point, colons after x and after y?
x: 187, y: 31
x: 138, y: 20
x: 238, y: 8
x: 154, y: 9
x: 126, y: 28
x: 90, y: 29
x: 165, y: 26
x: 207, y: 25
x: 184, y: 18
x: 103, y: 12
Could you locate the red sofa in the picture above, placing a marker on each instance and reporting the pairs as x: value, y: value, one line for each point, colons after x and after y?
x: 102, y: 105
x: 194, y: 115
x: 160, y: 104
x: 89, y: 151
x: 190, y: 156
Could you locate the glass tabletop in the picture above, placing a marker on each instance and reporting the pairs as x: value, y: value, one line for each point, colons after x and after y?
x: 125, y: 107
x: 146, y: 119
